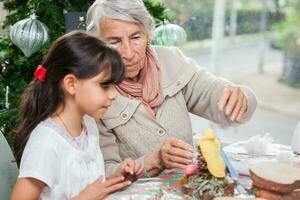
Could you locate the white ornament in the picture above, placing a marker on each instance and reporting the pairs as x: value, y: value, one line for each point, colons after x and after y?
x: 169, y: 35
x: 29, y: 35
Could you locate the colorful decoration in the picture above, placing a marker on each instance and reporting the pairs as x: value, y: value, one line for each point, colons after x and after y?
x: 40, y: 73
x: 81, y: 24
x: 169, y: 35
x: 210, y: 178
x: 190, y: 169
x: 29, y: 35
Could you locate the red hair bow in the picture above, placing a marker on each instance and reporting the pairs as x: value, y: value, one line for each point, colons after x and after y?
x: 40, y: 73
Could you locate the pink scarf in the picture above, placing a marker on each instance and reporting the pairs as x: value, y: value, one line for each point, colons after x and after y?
x: 147, y: 88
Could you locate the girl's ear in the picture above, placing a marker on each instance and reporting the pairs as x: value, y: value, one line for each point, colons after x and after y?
x: 69, y: 84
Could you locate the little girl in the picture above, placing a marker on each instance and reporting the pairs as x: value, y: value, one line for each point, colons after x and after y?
x: 57, y: 141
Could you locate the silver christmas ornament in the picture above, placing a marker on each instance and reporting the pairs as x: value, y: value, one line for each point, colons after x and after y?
x: 29, y: 35
x: 169, y: 35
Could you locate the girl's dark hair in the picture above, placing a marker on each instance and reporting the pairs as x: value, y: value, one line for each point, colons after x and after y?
x: 75, y: 53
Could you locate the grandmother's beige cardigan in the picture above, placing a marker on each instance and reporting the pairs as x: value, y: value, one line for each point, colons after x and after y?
x: 126, y: 130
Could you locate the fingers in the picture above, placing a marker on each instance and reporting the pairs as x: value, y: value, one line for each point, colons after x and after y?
x: 100, y: 189
x: 243, y: 110
x: 116, y: 186
x: 225, y: 94
x: 170, y: 161
x: 175, y: 143
x: 237, y: 107
x: 178, y: 159
x: 140, y: 171
x: 177, y: 148
x: 113, y: 181
x: 138, y: 168
x: 129, y: 165
x: 175, y: 153
x: 233, y: 101
x: 133, y: 167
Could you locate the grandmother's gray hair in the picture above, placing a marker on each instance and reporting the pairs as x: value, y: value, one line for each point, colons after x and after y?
x: 125, y: 10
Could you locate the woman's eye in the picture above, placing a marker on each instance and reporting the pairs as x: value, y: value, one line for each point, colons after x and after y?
x: 114, y: 44
x: 136, y: 40
x: 136, y: 37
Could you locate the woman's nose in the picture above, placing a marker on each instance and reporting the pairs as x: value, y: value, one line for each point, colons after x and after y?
x: 127, y: 51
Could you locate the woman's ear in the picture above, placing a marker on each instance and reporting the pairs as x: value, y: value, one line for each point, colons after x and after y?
x: 148, y: 39
x: 69, y: 84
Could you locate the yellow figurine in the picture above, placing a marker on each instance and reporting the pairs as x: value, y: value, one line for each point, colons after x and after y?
x: 207, y: 178
x: 210, y: 149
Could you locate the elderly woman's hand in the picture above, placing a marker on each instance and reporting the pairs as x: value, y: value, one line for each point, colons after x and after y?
x: 175, y: 153
x: 234, y: 101
x: 129, y: 168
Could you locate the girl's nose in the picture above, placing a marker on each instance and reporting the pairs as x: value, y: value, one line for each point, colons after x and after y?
x: 112, y: 93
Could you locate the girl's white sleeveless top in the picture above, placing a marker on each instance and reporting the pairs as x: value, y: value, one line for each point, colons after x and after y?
x: 66, y: 166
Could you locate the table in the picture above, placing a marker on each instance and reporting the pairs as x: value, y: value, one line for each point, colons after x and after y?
x: 167, y: 186
x: 241, y: 160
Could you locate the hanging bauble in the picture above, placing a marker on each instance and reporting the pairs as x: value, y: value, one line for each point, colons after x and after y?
x: 169, y: 35
x: 29, y: 35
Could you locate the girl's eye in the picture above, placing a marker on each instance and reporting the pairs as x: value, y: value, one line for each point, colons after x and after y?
x: 107, y: 86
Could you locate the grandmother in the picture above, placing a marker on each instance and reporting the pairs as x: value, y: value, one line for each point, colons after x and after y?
x: 149, y: 120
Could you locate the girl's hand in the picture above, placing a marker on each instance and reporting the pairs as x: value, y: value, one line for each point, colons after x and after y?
x: 129, y: 168
x: 99, y: 190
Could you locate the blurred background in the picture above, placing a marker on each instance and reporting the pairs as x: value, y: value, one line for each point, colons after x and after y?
x: 256, y: 43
